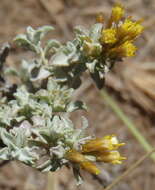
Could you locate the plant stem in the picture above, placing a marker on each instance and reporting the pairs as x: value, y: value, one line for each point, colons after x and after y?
x: 50, y: 181
x: 127, y: 172
x: 128, y: 123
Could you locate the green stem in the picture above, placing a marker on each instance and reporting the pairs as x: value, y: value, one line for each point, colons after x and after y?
x: 128, y: 123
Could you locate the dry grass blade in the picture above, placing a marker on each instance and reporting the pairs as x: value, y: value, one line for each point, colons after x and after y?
x: 131, y: 169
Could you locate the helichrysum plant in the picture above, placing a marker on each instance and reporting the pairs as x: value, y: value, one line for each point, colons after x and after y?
x: 34, y: 126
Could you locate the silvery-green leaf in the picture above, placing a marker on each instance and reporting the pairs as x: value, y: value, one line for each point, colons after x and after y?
x: 40, y: 137
x: 20, y: 118
x: 6, y: 115
x: 68, y: 125
x: 30, y: 70
x: 95, y: 32
x: 51, y: 85
x: 22, y: 40
x: 40, y: 33
x: 91, y: 66
x: 47, y: 110
x: 84, y: 123
x: 38, y: 121
x: 22, y: 95
x: 73, y: 106
x: 20, y: 136
x: 80, y: 30
x: 51, y: 44
x: 7, y: 139
x: 25, y: 155
x: 11, y: 71
x: 42, y: 74
x: 30, y: 33
x: 78, y: 136
x: 70, y: 49
x: 58, y: 150
x: 26, y: 127
x: 24, y: 72
x: 46, y: 166
x: 4, y: 154
x: 93, y: 49
x: 60, y: 59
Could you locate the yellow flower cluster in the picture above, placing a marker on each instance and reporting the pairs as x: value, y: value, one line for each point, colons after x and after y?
x: 101, y: 149
x: 119, y: 34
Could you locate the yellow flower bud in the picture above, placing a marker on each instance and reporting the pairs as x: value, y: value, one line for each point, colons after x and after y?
x: 102, y: 144
x: 110, y: 157
x: 100, y: 18
x: 90, y: 167
x: 117, y: 13
x: 127, y: 49
x: 75, y: 156
x: 108, y: 36
x: 130, y: 29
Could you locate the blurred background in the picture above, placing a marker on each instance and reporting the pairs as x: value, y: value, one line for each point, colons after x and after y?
x: 132, y: 84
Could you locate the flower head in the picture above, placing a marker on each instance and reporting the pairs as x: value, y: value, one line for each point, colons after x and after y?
x: 118, y: 36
